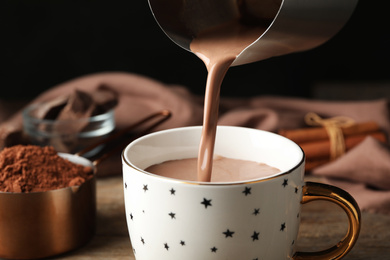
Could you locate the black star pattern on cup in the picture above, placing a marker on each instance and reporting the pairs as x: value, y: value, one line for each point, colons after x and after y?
x: 173, y: 215
x: 145, y: 187
x: 206, y: 202
x: 228, y: 233
x: 282, y: 226
x: 255, y: 236
x: 247, y: 191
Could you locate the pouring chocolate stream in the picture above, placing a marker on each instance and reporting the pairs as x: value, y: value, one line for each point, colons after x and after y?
x: 218, y: 48
x: 226, y: 33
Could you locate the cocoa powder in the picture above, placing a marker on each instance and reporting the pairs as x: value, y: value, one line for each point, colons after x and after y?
x: 29, y: 168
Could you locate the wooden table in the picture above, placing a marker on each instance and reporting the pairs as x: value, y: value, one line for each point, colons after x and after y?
x: 323, y: 224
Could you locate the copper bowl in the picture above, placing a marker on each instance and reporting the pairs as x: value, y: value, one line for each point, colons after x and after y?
x: 43, y: 224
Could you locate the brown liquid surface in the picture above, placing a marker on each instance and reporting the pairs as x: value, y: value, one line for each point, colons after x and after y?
x: 218, y: 48
x: 224, y: 169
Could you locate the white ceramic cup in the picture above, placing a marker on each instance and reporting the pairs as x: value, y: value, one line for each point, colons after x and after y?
x: 172, y: 219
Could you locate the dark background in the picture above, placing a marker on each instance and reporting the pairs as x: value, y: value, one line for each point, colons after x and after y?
x: 45, y: 43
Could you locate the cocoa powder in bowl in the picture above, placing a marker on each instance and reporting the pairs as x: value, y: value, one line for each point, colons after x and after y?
x: 30, y: 168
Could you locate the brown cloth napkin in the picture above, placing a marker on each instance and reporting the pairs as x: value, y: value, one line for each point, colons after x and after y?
x: 363, y: 171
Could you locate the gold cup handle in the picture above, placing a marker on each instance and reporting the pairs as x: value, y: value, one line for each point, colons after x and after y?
x: 317, y: 191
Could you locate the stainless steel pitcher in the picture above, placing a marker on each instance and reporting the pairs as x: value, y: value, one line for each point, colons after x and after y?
x: 293, y: 25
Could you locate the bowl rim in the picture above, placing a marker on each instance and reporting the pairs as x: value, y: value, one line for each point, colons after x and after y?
x: 28, y: 117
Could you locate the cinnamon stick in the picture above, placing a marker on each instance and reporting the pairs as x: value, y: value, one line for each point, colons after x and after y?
x: 311, y: 134
x: 321, y: 148
x: 311, y: 164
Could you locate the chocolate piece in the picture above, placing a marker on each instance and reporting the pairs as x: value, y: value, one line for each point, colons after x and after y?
x: 50, y: 110
x: 105, y: 99
x: 65, y: 135
x: 80, y: 105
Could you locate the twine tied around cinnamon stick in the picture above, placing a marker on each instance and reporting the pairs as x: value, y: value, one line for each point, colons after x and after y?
x: 333, y: 127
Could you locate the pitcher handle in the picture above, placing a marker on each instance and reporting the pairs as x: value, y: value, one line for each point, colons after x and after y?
x: 317, y: 191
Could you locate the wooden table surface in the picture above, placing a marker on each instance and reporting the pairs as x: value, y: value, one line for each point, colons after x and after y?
x: 323, y: 224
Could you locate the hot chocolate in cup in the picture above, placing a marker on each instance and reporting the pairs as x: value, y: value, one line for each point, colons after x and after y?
x: 172, y: 219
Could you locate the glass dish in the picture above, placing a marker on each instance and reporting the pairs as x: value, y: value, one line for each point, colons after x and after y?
x: 68, y: 136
